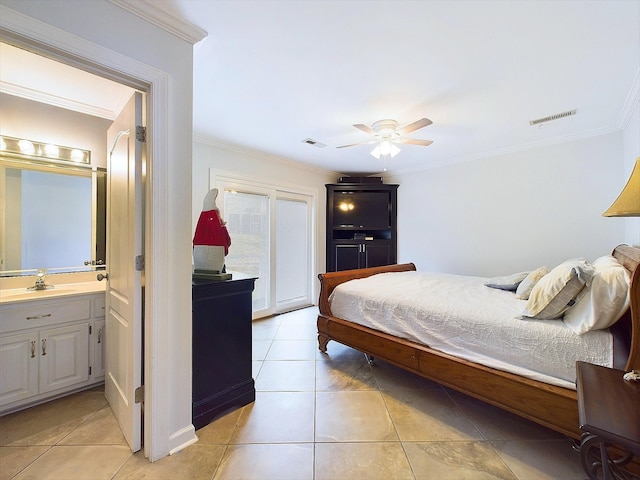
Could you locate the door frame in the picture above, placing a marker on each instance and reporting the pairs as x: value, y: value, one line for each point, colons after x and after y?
x: 39, y: 37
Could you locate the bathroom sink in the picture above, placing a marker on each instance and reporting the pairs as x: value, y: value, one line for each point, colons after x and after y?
x: 9, y: 295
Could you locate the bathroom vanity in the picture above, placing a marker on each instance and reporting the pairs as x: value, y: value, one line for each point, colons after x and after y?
x: 51, y: 343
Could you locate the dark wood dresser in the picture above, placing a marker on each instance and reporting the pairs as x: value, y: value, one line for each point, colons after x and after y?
x: 222, y: 378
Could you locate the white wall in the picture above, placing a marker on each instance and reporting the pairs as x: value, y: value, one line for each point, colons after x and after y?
x: 22, y: 118
x: 512, y: 212
x: 148, y: 50
x: 631, y: 145
x: 261, y: 168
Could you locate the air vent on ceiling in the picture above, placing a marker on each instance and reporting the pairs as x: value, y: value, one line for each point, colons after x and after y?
x: 313, y: 142
x: 552, y: 117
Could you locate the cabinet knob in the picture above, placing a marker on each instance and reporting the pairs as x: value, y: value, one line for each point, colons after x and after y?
x: 101, y: 277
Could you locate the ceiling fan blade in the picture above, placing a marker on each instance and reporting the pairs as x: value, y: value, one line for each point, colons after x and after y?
x: 364, y: 128
x: 412, y: 127
x: 414, y: 141
x: 355, y: 144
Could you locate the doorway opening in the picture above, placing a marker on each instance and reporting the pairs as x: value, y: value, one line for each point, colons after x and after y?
x: 59, y: 80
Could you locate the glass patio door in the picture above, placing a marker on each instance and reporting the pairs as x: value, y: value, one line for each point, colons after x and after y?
x: 248, y: 221
x: 293, y: 251
x: 271, y: 238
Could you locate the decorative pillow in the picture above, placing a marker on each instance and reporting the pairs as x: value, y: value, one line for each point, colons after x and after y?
x: 508, y: 282
x: 603, y: 303
x: 524, y: 289
x: 556, y: 292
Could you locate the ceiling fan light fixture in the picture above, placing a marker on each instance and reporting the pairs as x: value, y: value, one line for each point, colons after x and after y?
x: 385, y: 148
x: 387, y: 136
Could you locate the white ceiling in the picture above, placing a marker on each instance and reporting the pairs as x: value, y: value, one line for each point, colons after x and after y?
x: 40, y: 79
x: 273, y: 73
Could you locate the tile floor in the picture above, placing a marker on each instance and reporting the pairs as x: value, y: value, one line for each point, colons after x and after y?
x: 315, y: 417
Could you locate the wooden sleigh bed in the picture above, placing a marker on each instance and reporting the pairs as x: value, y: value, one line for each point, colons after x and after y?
x: 553, y: 406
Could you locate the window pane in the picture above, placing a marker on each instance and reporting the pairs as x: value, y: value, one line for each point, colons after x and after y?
x: 247, y: 216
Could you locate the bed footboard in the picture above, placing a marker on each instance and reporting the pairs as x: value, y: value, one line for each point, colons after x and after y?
x: 548, y: 405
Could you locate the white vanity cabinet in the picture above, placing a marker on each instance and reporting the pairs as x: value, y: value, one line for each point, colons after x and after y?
x: 18, y: 367
x: 50, y: 347
x: 98, y: 351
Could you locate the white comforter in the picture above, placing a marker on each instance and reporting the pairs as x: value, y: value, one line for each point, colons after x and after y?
x: 460, y: 316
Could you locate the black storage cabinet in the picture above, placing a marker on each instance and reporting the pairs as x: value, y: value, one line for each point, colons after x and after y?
x: 222, y: 376
x: 366, y: 235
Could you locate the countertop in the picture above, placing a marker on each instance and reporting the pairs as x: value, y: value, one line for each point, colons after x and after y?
x: 17, y: 295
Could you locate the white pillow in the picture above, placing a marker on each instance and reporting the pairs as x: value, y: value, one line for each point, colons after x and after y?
x: 556, y: 292
x: 604, y: 302
x: 524, y: 289
x: 508, y: 282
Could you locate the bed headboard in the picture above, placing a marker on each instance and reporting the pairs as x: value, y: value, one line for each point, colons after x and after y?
x: 629, y: 324
x: 330, y: 280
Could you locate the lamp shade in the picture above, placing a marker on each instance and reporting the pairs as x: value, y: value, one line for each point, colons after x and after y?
x: 628, y: 202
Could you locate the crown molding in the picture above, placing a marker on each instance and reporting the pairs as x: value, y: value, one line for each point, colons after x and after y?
x: 56, y: 101
x: 205, y: 140
x: 150, y: 12
x: 508, y: 150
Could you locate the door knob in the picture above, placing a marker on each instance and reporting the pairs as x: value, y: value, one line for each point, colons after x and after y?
x: 101, y: 277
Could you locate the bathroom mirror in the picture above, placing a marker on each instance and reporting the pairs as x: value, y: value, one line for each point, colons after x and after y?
x: 52, y: 216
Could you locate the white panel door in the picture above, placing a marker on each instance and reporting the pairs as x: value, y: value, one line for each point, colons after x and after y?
x: 124, y: 284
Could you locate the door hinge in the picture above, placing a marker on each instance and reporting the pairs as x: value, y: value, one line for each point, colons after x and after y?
x: 139, y: 394
x: 139, y: 262
x: 89, y: 370
x: 89, y: 329
x: 141, y: 133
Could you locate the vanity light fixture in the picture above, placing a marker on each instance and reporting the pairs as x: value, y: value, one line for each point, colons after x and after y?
x: 43, y: 152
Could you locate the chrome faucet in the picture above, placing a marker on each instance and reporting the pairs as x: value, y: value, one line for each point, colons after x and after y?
x: 40, y: 281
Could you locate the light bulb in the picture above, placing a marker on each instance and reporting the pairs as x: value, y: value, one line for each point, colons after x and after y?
x: 77, y: 155
x: 26, y: 147
x: 51, y: 150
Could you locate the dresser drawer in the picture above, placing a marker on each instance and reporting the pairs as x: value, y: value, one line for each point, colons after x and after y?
x: 38, y: 314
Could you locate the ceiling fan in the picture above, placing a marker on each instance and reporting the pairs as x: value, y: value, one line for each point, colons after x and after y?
x: 387, y: 134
